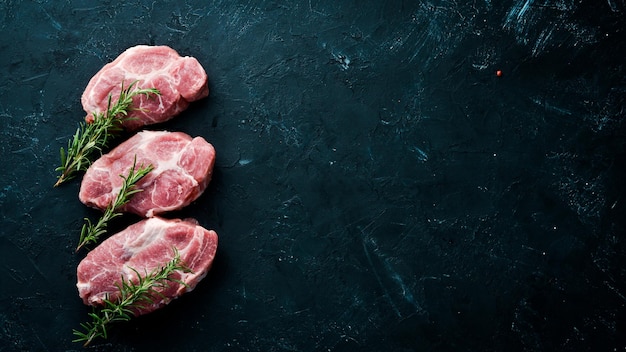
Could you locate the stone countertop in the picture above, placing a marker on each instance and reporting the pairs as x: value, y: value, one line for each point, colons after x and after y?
x: 377, y: 186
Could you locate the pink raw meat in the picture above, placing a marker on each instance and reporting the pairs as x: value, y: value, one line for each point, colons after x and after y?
x: 182, y: 170
x: 146, y: 246
x: 180, y: 80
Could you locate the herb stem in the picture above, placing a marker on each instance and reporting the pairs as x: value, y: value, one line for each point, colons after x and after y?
x: 131, y: 296
x: 91, y: 232
x: 91, y: 138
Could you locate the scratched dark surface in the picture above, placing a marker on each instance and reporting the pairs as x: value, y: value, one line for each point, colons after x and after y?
x: 377, y: 188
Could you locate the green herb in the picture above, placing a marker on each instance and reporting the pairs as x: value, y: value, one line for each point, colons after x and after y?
x: 91, y: 138
x: 91, y: 232
x: 132, y: 296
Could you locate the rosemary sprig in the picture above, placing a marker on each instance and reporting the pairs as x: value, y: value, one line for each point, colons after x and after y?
x: 91, y: 232
x: 91, y: 138
x: 132, y: 296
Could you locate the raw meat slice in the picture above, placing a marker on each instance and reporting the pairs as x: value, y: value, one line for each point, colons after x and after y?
x: 146, y: 246
x: 182, y: 170
x: 180, y: 80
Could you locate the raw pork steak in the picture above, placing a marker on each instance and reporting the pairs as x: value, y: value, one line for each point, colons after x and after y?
x: 179, y: 79
x: 146, y: 246
x: 182, y: 171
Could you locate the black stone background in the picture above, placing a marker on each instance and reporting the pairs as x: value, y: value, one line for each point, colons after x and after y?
x: 377, y: 186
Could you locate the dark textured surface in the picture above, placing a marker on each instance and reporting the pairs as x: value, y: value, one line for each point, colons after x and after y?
x: 377, y: 186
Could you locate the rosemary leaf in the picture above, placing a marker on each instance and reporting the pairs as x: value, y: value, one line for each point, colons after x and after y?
x: 91, y: 232
x: 131, y: 296
x: 90, y: 139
